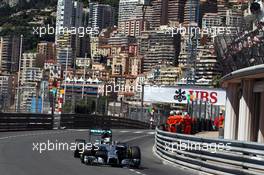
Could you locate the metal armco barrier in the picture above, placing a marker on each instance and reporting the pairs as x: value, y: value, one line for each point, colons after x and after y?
x: 23, y: 121
x: 79, y: 121
x: 28, y: 121
x: 215, y: 156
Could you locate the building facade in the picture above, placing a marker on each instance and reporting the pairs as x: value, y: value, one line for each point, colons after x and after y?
x: 100, y: 16
x: 6, y: 91
x: 46, y: 51
x: 9, y: 54
x: 126, y: 10
x: 157, y: 47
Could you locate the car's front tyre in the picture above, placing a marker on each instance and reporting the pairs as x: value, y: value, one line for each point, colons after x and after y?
x: 135, y: 156
x: 76, y: 154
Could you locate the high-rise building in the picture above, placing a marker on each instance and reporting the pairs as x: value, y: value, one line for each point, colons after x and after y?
x: 69, y: 14
x: 172, y: 11
x: 31, y: 77
x: 77, y: 14
x: 65, y: 19
x: 64, y: 50
x: 101, y: 16
x: 64, y: 56
x: 126, y: 10
x: 153, y: 14
x: 77, y: 22
x: 206, y: 65
x: 64, y: 15
x: 191, y: 12
x: 6, y: 93
x: 9, y: 54
x: 157, y: 47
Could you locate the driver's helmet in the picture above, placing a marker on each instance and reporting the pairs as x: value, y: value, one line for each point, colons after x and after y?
x: 107, y: 140
x: 105, y: 135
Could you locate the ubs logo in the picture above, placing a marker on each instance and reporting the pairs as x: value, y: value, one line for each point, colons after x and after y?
x: 180, y: 95
x: 191, y: 95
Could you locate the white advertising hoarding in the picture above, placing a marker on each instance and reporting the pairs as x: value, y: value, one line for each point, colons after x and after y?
x: 181, y: 95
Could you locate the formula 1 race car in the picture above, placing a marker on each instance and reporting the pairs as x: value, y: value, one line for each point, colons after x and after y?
x: 106, y: 152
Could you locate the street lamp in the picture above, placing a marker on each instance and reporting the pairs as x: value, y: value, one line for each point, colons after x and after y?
x: 65, y: 75
x: 142, y: 99
x: 84, y: 74
x: 18, y: 76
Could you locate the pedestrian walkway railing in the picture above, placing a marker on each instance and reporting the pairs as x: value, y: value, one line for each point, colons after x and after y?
x: 215, y: 156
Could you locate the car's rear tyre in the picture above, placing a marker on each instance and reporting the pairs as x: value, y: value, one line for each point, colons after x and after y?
x: 80, y: 143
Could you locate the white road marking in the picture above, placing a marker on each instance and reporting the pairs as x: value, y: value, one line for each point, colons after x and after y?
x: 78, y: 130
x: 138, y: 132
x: 137, y: 172
x: 151, y: 133
x: 35, y: 134
x: 124, y: 131
x: 2, y: 138
x: 134, y: 138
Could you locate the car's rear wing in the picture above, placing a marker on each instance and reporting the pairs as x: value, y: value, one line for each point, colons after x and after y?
x: 100, y: 132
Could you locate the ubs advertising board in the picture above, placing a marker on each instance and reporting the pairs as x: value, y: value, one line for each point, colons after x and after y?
x: 183, y: 95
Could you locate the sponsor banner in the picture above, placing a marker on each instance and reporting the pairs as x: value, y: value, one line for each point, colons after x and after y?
x: 183, y: 95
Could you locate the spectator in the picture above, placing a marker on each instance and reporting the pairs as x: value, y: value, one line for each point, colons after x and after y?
x: 221, y: 120
x: 216, y: 123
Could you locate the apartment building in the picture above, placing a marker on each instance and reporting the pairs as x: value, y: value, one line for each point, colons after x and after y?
x: 101, y: 15
x: 9, y: 54
x: 133, y: 26
x: 6, y: 92
x: 46, y: 51
x: 157, y: 47
x: 126, y: 10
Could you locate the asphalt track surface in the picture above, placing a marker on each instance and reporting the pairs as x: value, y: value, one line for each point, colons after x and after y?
x: 18, y: 158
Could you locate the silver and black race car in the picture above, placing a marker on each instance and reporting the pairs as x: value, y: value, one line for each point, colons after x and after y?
x: 106, y: 152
